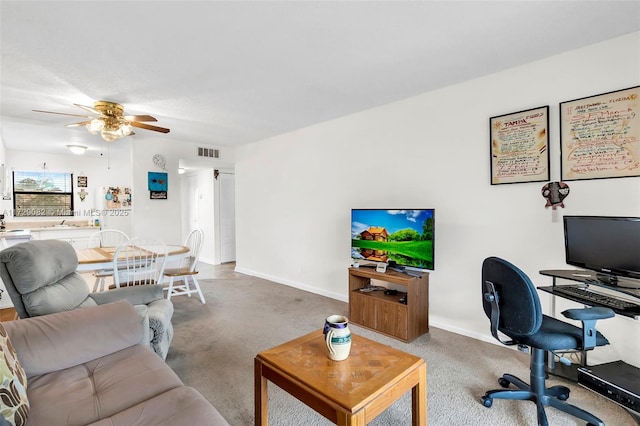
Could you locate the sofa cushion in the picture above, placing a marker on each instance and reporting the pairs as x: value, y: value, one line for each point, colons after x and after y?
x: 14, y: 404
x: 183, y: 406
x: 88, y: 333
x: 65, y: 294
x: 100, y: 388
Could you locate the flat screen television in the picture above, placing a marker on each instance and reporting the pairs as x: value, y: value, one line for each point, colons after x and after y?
x: 401, y: 237
x: 605, y: 244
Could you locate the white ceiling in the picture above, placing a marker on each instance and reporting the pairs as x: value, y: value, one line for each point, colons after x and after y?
x: 230, y: 73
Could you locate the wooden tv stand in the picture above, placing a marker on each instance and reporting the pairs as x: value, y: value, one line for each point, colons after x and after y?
x: 384, y: 313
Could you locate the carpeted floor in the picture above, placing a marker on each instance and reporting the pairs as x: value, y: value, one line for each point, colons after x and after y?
x: 215, y: 344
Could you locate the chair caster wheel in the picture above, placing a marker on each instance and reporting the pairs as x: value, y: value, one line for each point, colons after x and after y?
x: 503, y: 382
x: 563, y: 397
x: 487, y: 401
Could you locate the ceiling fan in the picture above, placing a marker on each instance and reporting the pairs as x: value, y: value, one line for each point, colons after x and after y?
x: 110, y: 120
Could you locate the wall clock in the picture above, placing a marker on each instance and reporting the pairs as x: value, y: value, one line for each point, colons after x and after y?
x: 160, y: 160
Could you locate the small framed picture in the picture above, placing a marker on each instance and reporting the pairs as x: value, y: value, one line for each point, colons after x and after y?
x: 600, y: 136
x: 520, y: 146
x: 158, y: 195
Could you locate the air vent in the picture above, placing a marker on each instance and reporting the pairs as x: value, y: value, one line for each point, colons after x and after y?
x: 208, y: 152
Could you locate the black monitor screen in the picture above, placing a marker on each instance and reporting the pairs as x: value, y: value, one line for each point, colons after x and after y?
x: 609, y: 245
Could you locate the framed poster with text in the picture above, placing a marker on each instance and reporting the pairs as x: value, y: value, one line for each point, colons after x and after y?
x: 520, y: 146
x: 600, y: 136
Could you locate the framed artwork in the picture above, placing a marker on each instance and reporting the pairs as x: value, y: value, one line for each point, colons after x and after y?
x: 600, y: 136
x: 520, y: 146
x: 157, y: 181
x: 117, y: 198
x: 158, y: 195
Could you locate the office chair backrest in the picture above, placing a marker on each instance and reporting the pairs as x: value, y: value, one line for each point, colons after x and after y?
x: 519, y: 306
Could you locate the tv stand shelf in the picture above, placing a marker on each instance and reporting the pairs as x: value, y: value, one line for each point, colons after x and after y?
x: 384, y: 313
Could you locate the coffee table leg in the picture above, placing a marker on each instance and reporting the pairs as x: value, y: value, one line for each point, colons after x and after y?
x: 355, y: 419
x: 419, y: 398
x: 260, y: 395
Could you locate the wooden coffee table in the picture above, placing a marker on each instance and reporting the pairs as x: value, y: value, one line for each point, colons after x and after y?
x: 350, y: 392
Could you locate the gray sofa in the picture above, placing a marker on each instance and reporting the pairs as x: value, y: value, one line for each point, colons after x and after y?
x: 40, y: 277
x: 87, y: 367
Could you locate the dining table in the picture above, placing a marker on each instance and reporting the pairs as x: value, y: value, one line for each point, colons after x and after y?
x: 97, y: 258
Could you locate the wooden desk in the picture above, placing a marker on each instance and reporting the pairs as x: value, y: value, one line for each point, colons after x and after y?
x: 350, y: 392
x: 92, y: 259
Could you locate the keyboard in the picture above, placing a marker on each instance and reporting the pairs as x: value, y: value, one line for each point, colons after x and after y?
x: 598, y: 298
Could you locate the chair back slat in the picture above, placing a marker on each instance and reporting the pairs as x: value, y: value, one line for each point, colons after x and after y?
x: 107, y: 238
x: 194, y: 241
x: 139, y: 262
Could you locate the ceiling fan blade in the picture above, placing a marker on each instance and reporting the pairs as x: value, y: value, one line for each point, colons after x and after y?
x: 149, y: 127
x: 82, y: 123
x: 61, y: 113
x: 90, y: 109
x: 139, y: 118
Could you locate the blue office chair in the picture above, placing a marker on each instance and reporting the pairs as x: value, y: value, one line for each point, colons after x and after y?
x: 511, y: 302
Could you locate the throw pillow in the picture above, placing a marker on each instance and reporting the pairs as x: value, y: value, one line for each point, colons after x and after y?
x: 14, y: 405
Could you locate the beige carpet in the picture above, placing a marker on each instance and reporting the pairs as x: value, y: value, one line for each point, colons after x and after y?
x: 215, y: 344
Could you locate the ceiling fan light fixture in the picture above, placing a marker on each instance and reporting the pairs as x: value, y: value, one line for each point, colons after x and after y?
x: 110, y: 135
x: 126, y: 129
x: 95, y: 126
x: 111, y: 122
x: 77, y: 149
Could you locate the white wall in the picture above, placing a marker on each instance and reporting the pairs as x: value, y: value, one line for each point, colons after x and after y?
x: 100, y: 172
x: 294, y: 192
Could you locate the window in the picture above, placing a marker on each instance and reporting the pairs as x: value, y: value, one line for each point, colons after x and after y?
x: 42, y: 194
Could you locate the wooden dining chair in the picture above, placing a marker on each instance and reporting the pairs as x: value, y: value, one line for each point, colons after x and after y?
x: 105, y: 238
x: 187, y: 270
x: 139, y: 262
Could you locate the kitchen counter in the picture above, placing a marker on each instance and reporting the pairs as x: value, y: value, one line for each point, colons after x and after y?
x: 77, y: 234
x: 65, y: 228
x: 16, y: 234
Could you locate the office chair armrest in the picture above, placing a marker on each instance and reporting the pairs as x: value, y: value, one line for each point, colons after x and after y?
x: 589, y: 316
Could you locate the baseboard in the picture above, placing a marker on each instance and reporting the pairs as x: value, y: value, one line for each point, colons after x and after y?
x: 432, y: 323
x: 464, y: 332
x: 294, y: 284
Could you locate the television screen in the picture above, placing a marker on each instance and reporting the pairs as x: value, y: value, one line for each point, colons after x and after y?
x: 605, y: 244
x: 405, y: 237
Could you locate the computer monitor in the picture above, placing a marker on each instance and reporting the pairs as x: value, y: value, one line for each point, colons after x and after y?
x: 606, y: 244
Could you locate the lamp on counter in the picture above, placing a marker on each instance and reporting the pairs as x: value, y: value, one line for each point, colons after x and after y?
x: 77, y: 149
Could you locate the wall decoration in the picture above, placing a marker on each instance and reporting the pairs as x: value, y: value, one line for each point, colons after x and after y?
x: 160, y: 161
x: 82, y: 181
x: 158, y: 195
x: 158, y: 185
x: 600, y: 136
x: 117, y: 198
x: 555, y: 193
x: 82, y: 194
x: 520, y: 146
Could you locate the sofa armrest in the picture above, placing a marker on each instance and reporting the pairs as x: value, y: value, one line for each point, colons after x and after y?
x: 137, y: 295
x: 57, y: 341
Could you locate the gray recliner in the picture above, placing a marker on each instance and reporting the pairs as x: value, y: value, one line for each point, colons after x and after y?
x: 40, y: 277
